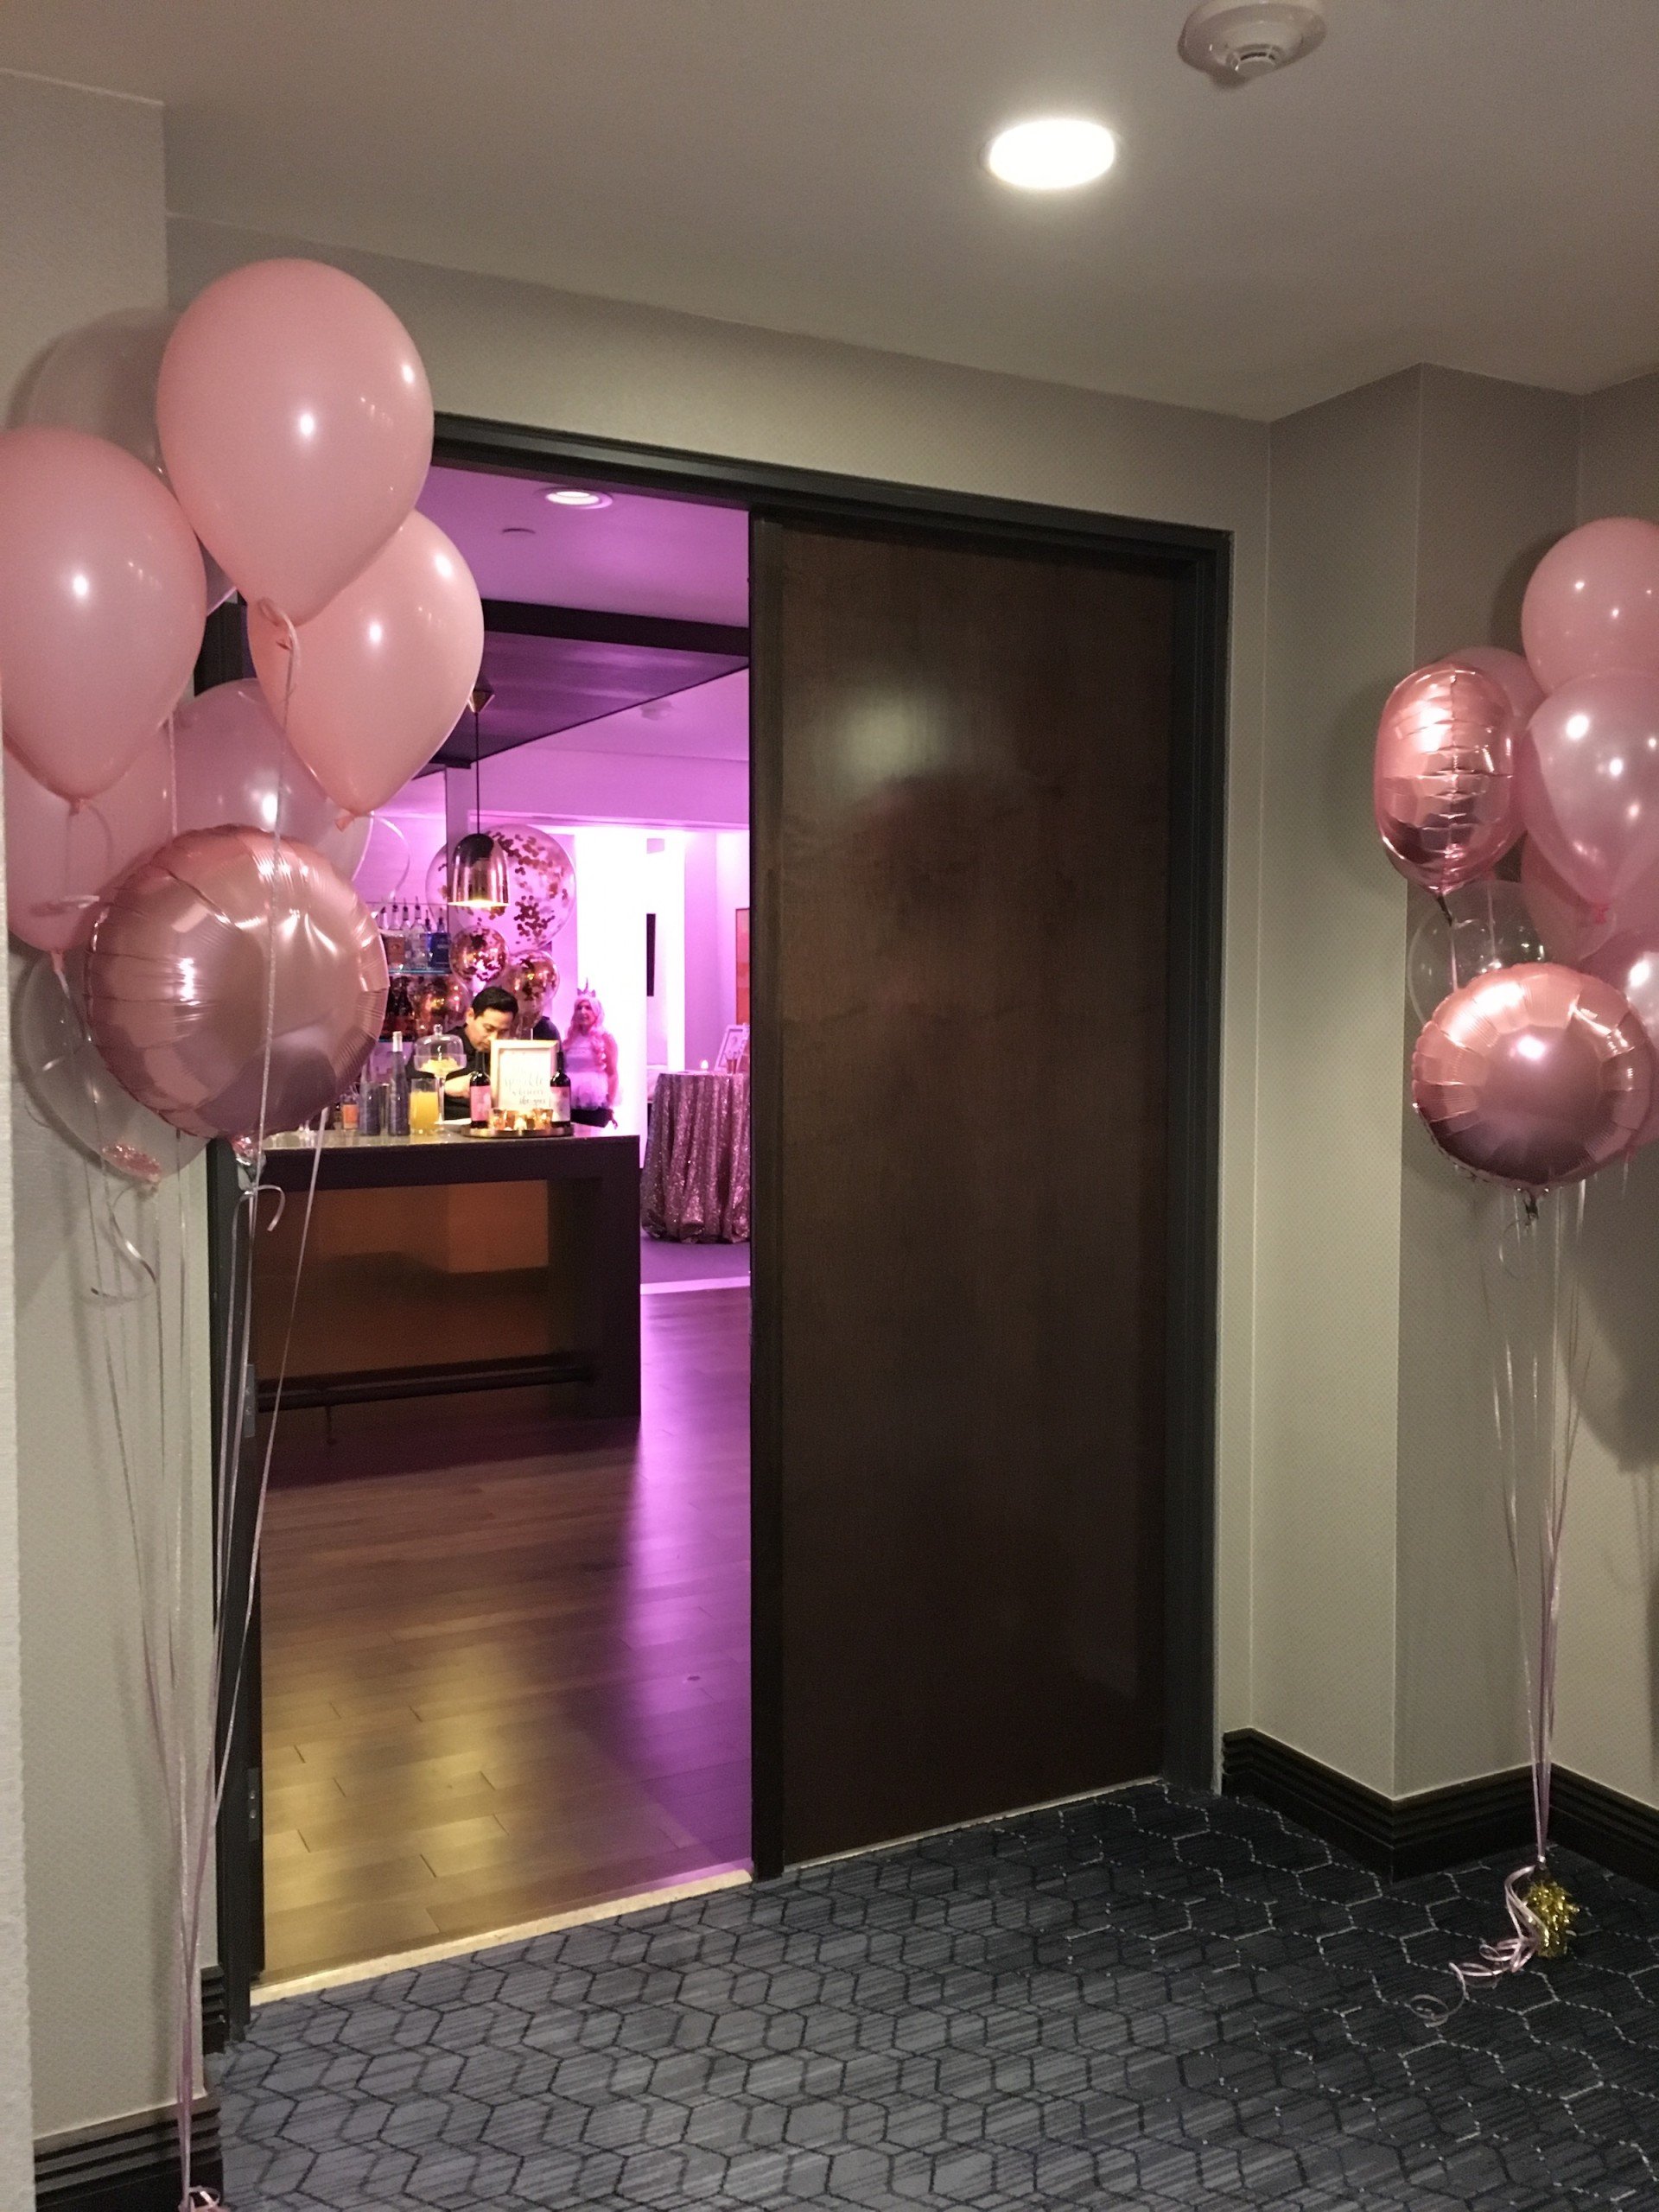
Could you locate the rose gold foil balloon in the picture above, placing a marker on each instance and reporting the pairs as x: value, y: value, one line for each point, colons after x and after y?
x: 478, y: 956
x: 179, y: 982
x: 1444, y: 779
x: 1533, y: 1076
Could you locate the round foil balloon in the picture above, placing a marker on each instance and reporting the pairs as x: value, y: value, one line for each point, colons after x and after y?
x: 179, y: 982
x: 1444, y: 779
x: 478, y: 956
x: 1533, y: 1076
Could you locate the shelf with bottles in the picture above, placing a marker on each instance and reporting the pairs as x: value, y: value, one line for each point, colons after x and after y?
x: 416, y: 938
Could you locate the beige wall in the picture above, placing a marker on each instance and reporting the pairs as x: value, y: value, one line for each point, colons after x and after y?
x: 518, y: 354
x: 1342, y: 539
x: 1405, y: 518
x: 82, y: 232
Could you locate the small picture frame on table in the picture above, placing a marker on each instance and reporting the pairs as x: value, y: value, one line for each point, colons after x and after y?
x: 734, y: 1050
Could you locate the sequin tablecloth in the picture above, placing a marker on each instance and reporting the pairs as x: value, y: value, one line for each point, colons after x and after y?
x: 695, y: 1187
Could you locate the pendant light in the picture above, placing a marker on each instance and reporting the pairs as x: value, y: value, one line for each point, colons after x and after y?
x: 477, y: 866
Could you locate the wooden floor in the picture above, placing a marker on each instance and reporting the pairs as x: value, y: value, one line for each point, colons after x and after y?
x: 502, y: 1681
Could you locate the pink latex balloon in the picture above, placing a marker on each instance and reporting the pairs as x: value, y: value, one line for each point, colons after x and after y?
x: 1593, y: 603
x: 1588, y: 781
x: 102, y: 601
x: 297, y: 423
x: 232, y: 761
x: 63, y: 861
x: 1520, y: 686
x: 102, y: 378
x: 178, y: 981
x: 1443, y: 782
x: 1570, y: 927
x: 382, y: 672
x: 1533, y: 1076
x: 1629, y: 962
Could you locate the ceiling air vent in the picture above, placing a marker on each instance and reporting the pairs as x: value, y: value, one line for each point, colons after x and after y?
x: 1234, y: 41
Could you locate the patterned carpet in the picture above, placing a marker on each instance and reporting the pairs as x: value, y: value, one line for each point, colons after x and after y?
x: 1156, y: 1999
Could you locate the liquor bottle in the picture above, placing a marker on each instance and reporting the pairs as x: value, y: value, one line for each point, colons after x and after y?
x: 397, y: 1089
x: 560, y: 1088
x: 478, y: 1099
x: 438, y: 943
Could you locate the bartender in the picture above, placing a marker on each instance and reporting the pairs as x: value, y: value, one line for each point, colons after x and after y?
x: 492, y: 1015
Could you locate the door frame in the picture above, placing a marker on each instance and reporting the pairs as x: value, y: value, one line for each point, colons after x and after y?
x: 1200, y: 563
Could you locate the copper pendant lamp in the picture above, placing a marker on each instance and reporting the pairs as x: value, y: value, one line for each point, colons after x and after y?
x: 477, y: 866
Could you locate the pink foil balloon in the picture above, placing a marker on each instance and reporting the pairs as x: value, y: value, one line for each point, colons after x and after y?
x: 1443, y: 782
x: 102, y: 600
x: 232, y: 761
x: 1520, y: 686
x: 61, y: 861
x: 297, y: 423
x: 384, y: 671
x: 1588, y: 779
x: 1593, y: 603
x: 1533, y: 1076
x: 178, y: 981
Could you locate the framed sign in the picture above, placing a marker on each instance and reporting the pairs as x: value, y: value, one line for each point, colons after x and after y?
x: 521, y: 1075
x: 734, y: 1050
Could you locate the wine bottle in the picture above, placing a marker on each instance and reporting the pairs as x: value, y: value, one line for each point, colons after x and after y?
x: 478, y: 1098
x: 560, y: 1088
x: 397, y: 1089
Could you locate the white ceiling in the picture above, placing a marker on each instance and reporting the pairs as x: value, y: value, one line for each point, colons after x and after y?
x: 1467, y: 181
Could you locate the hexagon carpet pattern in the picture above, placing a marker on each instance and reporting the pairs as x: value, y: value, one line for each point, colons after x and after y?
x: 1153, y: 1998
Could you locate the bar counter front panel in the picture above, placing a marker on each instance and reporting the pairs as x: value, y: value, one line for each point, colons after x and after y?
x: 448, y: 1262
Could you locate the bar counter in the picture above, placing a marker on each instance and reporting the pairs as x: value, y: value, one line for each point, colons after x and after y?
x: 446, y: 1262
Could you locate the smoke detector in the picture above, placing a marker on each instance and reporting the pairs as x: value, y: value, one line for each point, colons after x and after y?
x: 1234, y: 41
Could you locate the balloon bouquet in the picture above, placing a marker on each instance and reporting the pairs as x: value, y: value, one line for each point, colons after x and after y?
x: 186, y: 869
x: 1539, y: 995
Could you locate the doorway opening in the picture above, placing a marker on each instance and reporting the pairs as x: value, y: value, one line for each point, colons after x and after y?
x: 503, y: 1664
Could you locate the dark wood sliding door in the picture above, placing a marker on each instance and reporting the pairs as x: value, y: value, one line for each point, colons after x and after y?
x: 963, y: 789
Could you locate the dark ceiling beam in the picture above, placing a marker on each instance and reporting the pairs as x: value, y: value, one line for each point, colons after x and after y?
x: 519, y: 619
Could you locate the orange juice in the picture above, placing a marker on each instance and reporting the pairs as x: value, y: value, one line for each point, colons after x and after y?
x: 425, y: 1109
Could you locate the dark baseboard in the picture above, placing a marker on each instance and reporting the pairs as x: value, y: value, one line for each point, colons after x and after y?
x: 215, y: 2011
x: 131, y: 2166
x: 1616, y: 1832
x: 1401, y: 1836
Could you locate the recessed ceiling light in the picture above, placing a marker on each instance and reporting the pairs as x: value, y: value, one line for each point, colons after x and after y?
x: 517, y: 529
x: 567, y: 495
x: 1051, y: 152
